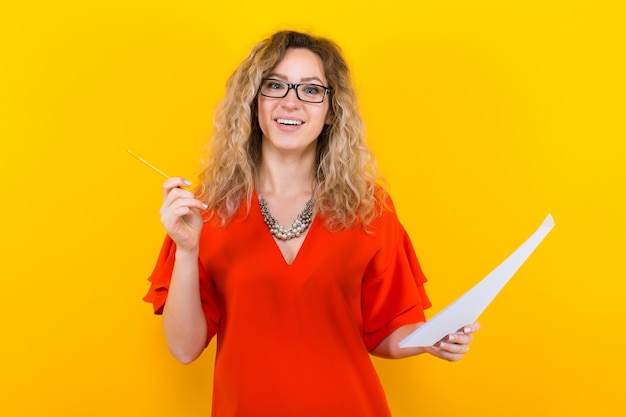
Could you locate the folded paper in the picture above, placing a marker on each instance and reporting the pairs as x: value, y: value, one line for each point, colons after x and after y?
x: 466, y: 309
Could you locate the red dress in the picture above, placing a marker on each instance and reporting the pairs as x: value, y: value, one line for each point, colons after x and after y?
x: 293, y: 340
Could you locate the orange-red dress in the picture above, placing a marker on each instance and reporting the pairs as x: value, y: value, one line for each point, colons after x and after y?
x: 293, y: 340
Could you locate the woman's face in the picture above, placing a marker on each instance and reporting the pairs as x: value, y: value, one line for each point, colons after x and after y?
x: 290, y: 125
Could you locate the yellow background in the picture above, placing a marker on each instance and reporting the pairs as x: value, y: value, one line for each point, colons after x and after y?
x: 485, y: 116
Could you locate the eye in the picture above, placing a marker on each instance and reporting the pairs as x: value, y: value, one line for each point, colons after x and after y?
x: 312, y: 90
x: 274, y: 85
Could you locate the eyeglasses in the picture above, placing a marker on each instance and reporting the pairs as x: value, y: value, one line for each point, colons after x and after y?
x: 310, y: 93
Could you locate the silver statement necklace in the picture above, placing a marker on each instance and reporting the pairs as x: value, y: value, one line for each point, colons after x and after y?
x: 300, y: 224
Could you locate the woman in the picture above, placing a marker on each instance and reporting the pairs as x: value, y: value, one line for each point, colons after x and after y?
x: 296, y: 310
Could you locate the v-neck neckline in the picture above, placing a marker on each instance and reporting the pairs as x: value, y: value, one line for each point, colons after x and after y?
x: 298, y: 252
x: 274, y: 240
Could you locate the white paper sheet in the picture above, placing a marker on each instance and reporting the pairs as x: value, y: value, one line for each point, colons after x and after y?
x: 466, y: 309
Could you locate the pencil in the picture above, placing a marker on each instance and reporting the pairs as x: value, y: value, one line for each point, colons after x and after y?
x: 133, y: 153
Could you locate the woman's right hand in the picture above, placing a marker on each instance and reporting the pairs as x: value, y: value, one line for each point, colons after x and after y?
x: 180, y: 214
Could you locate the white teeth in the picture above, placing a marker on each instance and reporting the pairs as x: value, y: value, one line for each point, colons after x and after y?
x: 289, y: 122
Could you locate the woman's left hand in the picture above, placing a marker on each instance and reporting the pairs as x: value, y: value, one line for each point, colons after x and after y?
x: 454, y: 346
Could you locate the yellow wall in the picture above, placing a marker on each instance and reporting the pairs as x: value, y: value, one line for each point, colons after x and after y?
x: 485, y: 116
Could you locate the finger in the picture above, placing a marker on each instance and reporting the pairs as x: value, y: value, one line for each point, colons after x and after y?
x: 455, y: 342
x: 470, y: 328
x: 442, y: 353
x: 458, y: 338
x: 181, y: 207
x: 176, y: 193
x: 182, y: 211
x: 178, y: 196
x: 190, y: 203
x: 451, y: 352
x: 461, y: 336
x: 174, y: 182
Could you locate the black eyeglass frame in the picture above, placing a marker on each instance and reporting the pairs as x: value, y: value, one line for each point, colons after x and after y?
x: 295, y: 87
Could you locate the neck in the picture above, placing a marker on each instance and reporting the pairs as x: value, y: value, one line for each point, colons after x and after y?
x: 286, y: 177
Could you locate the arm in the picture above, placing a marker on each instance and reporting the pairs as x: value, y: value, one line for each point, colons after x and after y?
x: 452, y: 347
x: 184, y: 322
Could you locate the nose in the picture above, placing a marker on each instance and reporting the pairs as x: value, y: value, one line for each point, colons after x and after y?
x: 291, y: 99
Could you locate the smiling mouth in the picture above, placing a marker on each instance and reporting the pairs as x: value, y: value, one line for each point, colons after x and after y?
x: 289, y: 122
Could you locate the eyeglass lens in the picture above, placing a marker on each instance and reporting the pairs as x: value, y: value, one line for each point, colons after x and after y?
x: 312, y: 93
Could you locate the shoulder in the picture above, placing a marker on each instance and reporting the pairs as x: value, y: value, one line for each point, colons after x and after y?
x: 386, y: 220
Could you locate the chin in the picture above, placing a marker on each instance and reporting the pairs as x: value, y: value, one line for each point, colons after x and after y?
x: 291, y: 145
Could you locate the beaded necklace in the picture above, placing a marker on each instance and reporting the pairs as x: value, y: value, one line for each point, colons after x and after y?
x: 300, y: 224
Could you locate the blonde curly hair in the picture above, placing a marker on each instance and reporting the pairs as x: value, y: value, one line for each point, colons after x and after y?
x: 349, y: 191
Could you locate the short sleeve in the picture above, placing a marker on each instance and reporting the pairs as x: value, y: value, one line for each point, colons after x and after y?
x: 393, y: 291
x: 160, y: 283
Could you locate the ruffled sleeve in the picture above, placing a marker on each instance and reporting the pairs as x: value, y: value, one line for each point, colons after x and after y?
x: 160, y: 283
x: 393, y: 287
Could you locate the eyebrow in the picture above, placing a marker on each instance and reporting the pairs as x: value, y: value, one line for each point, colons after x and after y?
x: 303, y: 79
